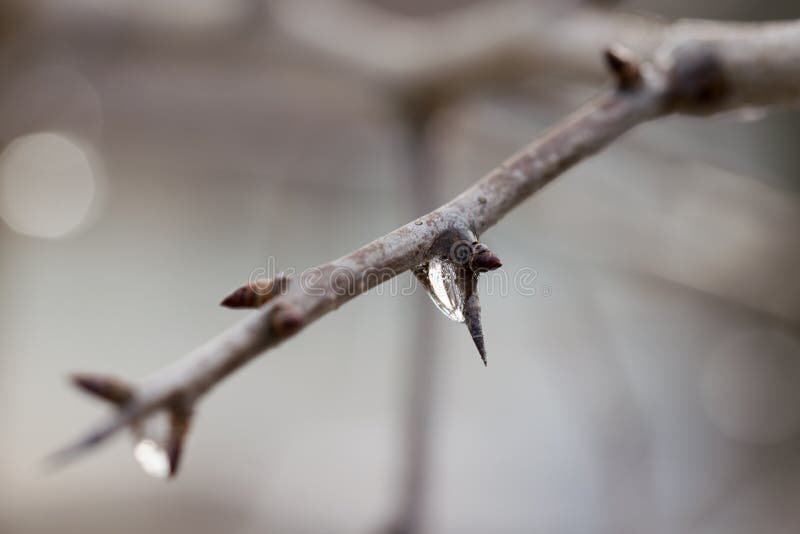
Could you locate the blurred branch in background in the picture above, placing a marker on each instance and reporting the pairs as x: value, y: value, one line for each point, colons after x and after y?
x: 450, y: 52
x: 14, y: 15
x: 700, y: 68
x: 424, y: 362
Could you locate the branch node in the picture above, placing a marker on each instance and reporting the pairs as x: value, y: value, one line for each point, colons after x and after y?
x: 696, y: 76
x: 286, y: 320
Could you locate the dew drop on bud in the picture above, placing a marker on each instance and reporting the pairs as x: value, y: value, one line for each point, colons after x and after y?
x: 446, y: 288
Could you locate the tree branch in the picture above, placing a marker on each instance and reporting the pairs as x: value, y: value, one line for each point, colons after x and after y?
x: 701, y: 69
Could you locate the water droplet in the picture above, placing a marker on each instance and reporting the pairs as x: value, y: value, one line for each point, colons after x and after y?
x: 153, y: 458
x: 446, y: 288
x: 150, y: 450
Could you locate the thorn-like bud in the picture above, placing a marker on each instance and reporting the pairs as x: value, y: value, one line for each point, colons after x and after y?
x: 482, y: 259
x: 107, y: 388
x: 179, y: 427
x: 472, y: 318
x: 256, y: 293
x: 625, y: 66
x: 286, y: 320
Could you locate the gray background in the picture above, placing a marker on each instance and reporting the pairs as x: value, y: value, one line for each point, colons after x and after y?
x: 653, y: 390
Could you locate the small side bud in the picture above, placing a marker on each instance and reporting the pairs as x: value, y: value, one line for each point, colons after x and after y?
x: 286, y: 320
x: 624, y: 65
x: 256, y: 293
x: 107, y: 388
x: 483, y: 259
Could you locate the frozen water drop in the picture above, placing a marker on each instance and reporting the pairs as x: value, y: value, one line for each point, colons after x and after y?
x: 152, y: 458
x: 446, y: 288
x: 151, y: 438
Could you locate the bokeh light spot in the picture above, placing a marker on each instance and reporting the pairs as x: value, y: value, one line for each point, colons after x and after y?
x: 47, y: 185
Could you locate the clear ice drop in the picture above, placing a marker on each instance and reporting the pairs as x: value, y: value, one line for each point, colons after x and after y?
x: 446, y: 288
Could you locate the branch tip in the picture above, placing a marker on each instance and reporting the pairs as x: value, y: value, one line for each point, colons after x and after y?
x: 107, y: 388
x: 90, y: 440
x: 483, y: 259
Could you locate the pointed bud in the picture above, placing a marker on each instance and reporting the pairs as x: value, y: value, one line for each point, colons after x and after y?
x: 244, y: 297
x: 107, y: 388
x: 256, y: 293
x: 624, y: 65
x: 472, y: 315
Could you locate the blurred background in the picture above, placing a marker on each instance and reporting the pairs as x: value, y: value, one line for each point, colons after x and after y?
x: 155, y: 153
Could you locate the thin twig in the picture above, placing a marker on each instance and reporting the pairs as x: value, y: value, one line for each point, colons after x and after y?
x: 757, y: 65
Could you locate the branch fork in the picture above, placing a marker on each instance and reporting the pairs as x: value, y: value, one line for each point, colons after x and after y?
x: 122, y: 396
